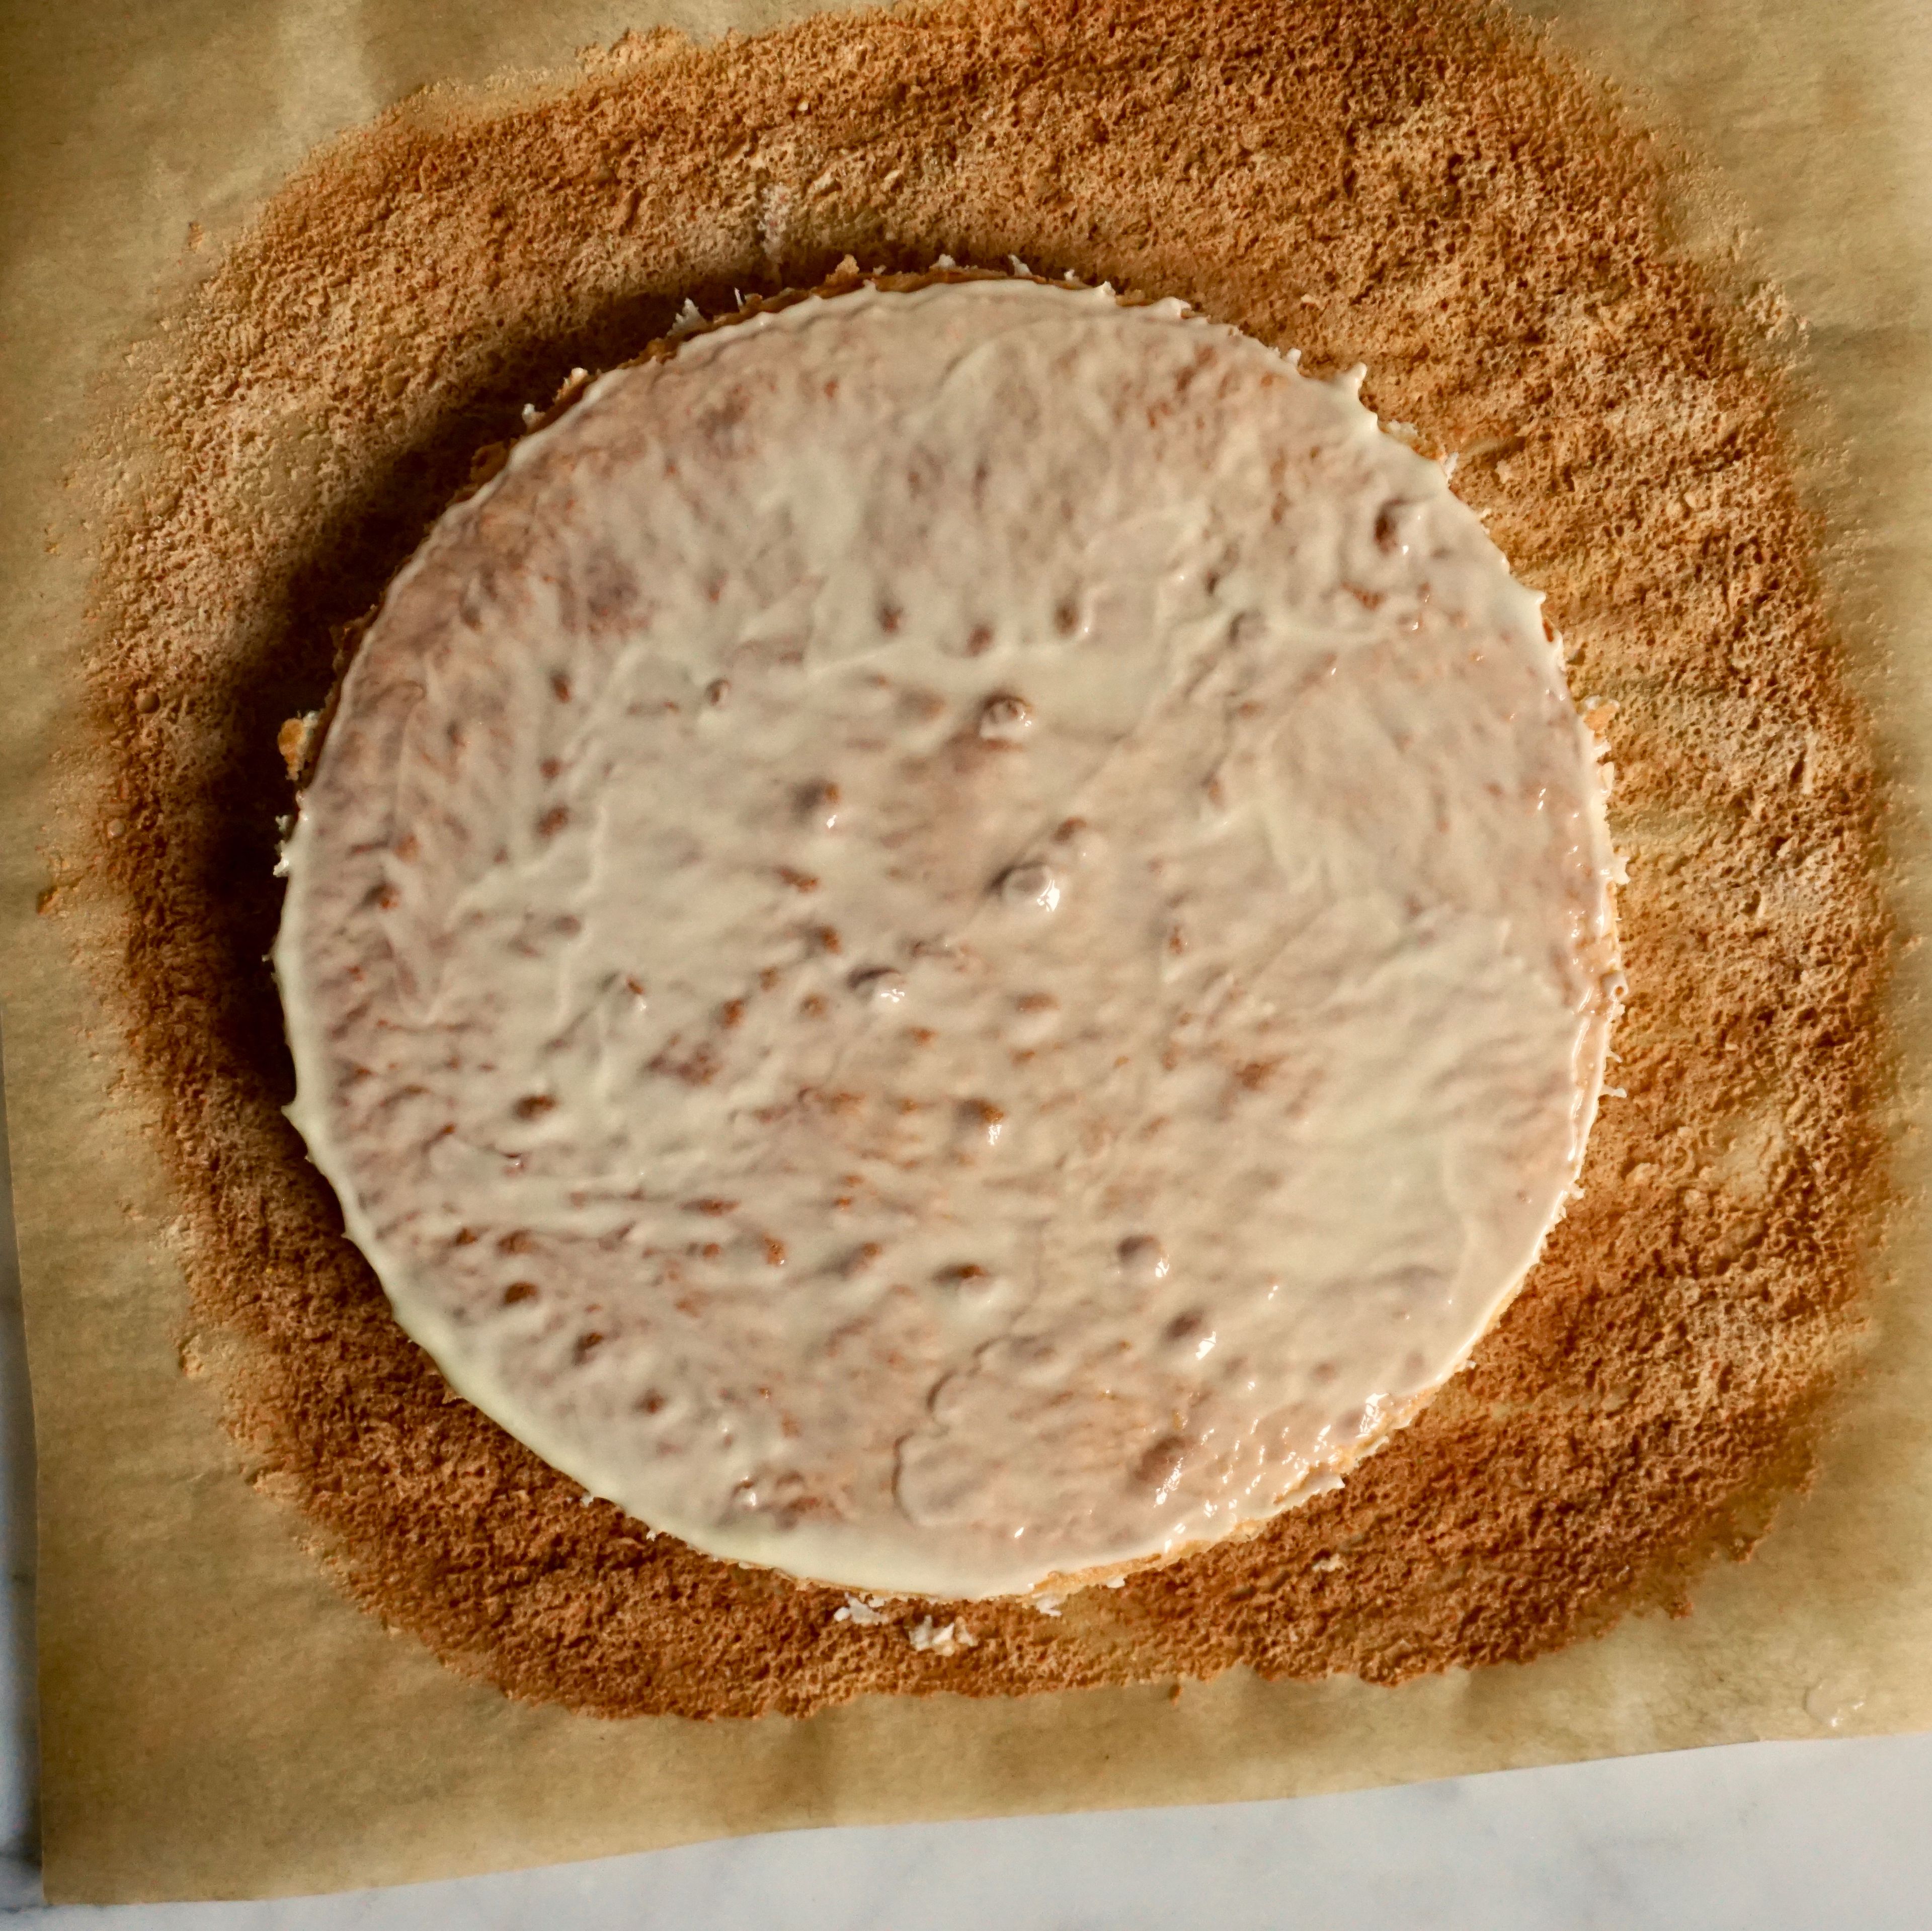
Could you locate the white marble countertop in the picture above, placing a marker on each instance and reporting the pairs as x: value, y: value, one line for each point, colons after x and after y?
x: 1760, y: 1837
x: 1757, y: 1837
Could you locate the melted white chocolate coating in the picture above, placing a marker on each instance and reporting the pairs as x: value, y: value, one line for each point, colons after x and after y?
x: 953, y: 938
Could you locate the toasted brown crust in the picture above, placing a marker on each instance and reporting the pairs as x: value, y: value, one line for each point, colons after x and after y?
x: 1420, y: 188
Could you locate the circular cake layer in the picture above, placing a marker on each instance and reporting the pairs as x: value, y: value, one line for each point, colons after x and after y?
x: 953, y: 938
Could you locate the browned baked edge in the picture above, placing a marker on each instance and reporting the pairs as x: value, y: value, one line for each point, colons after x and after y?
x: 1421, y: 188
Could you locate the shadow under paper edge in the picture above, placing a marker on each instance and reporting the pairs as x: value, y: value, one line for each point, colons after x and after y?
x: 20, y: 1711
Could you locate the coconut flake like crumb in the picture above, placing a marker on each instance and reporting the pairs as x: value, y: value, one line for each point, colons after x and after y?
x: 945, y: 1639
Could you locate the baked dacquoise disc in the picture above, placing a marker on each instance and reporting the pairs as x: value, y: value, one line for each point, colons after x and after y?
x: 952, y: 939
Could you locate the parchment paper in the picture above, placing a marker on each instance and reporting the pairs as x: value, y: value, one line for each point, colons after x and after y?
x: 218, y: 1722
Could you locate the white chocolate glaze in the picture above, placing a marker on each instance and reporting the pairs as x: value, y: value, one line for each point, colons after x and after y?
x: 953, y: 938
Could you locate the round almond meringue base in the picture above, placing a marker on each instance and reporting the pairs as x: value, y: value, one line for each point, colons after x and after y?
x: 956, y: 939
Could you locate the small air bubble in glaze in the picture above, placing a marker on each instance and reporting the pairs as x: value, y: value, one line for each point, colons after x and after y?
x: 1005, y: 719
x: 1030, y: 887
x: 981, y: 1122
x: 880, y: 985
x: 820, y: 806
x: 1399, y: 527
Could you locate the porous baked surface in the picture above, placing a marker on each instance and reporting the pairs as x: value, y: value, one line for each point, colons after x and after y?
x: 1422, y: 189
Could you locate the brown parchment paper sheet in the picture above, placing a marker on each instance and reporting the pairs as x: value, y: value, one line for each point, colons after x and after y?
x: 218, y: 1720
